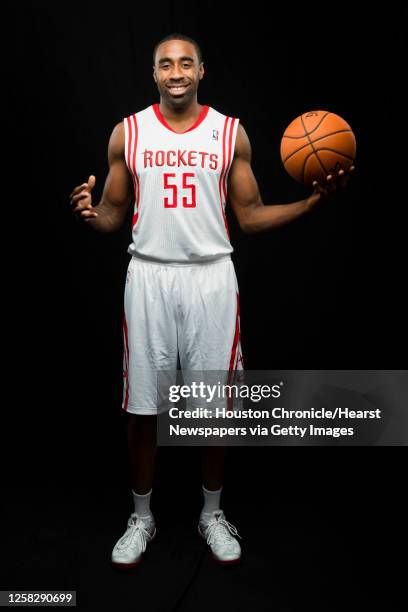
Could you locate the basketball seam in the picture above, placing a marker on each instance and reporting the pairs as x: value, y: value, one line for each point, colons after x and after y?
x: 316, y: 140
x: 315, y: 152
x: 304, y: 164
x: 338, y: 153
x: 325, y: 149
x: 314, y: 129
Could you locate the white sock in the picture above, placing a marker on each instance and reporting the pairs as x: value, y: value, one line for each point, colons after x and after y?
x: 211, y: 500
x: 142, y: 504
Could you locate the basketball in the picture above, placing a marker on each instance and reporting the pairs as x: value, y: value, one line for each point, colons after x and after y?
x: 315, y: 145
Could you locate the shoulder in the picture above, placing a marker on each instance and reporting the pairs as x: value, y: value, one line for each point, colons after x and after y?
x: 242, y: 144
x: 142, y: 114
x: 118, y: 133
x: 116, y: 145
x: 126, y: 127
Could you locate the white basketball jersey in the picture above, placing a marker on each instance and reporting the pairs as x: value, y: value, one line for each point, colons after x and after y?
x: 180, y: 185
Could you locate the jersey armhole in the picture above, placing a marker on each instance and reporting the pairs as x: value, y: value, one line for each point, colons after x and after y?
x: 126, y: 129
x: 233, y: 134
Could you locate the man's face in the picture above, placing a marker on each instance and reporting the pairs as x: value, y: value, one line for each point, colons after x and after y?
x: 177, y: 72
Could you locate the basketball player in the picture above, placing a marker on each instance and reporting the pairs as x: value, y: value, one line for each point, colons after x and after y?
x: 175, y: 162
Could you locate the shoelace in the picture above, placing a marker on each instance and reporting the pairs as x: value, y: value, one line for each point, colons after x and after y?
x: 224, y: 533
x: 135, y: 530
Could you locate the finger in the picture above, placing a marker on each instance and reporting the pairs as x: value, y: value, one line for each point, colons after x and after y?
x: 78, y: 189
x: 87, y: 214
x: 91, y: 182
x: 330, y: 185
x: 82, y: 206
x: 335, y: 179
x: 82, y: 217
x: 343, y: 178
x: 349, y: 172
x: 317, y: 186
x: 78, y: 198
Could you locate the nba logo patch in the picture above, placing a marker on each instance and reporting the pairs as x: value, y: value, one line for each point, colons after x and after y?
x: 215, y: 134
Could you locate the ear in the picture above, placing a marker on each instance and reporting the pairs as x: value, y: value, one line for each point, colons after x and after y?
x: 201, y: 71
x: 154, y: 74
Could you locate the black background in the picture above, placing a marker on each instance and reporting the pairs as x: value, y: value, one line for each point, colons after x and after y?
x: 322, y: 526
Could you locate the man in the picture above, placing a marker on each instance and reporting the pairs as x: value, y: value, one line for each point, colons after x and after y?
x: 177, y: 160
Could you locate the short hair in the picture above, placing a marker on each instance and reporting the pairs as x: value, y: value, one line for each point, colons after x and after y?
x: 178, y: 36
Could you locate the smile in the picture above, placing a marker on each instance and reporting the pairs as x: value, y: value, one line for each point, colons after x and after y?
x: 177, y: 89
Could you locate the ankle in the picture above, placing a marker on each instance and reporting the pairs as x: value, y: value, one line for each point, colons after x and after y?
x: 211, y: 500
x: 142, y: 503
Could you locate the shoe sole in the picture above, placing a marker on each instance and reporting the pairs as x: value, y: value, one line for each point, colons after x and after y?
x: 125, y: 566
x: 217, y: 559
x: 226, y: 562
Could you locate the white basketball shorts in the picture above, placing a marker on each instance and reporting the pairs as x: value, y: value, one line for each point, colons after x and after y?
x: 191, y: 310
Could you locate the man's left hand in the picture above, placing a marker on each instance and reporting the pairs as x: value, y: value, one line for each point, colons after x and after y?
x: 334, y: 181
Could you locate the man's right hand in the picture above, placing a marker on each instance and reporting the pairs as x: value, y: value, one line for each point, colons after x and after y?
x: 81, y: 200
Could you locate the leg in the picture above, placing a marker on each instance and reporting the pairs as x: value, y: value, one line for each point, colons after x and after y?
x: 150, y: 344
x: 141, y: 528
x: 213, y: 526
x: 212, y: 466
x: 142, y: 446
x: 209, y: 340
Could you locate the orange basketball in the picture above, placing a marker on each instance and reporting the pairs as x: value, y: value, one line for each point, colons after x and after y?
x: 316, y: 144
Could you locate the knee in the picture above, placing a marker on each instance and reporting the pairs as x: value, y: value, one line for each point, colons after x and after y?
x: 142, y: 423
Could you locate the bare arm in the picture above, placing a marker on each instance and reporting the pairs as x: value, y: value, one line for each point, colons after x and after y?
x: 252, y: 214
x: 117, y: 195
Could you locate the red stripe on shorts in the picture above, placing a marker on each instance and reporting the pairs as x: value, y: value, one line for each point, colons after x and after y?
x: 232, y: 364
x: 126, y: 362
x: 236, y: 338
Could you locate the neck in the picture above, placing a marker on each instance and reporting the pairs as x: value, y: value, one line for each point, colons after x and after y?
x: 190, y: 111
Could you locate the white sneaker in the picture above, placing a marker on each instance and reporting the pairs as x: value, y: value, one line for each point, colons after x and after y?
x: 129, y: 549
x: 220, y: 536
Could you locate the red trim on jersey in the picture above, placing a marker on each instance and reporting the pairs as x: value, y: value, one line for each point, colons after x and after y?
x: 129, y: 148
x: 222, y: 174
x: 126, y: 363
x: 200, y: 119
x: 129, y: 131
x: 224, y: 182
x: 134, y: 169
